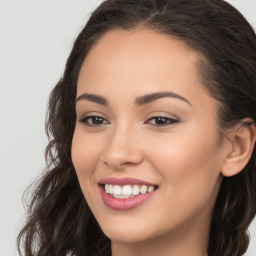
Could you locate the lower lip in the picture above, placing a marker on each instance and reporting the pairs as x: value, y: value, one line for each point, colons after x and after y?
x: 122, y: 204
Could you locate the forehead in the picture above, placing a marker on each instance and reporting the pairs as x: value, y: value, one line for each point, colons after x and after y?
x: 138, y: 62
x: 139, y: 40
x: 121, y: 49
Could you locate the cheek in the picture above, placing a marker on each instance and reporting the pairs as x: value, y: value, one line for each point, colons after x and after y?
x: 189, y: 163
x: 190, y: 176
x: 84, y: 148
x: 85, y: 153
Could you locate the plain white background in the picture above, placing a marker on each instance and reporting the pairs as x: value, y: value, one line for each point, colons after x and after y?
x: 35, y: 39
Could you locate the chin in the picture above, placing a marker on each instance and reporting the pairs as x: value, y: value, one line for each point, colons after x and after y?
x: 127, y: 233
x: 126, y: 237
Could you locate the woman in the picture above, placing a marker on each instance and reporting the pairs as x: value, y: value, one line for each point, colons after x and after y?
x: 152, y: 130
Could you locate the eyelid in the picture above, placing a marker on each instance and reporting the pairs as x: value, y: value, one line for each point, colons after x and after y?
x: 89, y: 115
x: 162, y: 114
x: 170, y: 119
x: 173, y: 119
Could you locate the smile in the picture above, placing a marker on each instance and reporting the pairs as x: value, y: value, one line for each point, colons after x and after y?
x: 127, y: 191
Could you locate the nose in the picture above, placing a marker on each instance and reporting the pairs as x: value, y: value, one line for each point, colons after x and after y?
x: 122, y: 149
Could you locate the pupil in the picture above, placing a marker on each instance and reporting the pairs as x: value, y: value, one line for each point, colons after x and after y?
x: 161, y: 120
x: 97, y: 120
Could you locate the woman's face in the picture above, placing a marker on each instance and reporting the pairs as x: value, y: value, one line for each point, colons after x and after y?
x: 144, y: 122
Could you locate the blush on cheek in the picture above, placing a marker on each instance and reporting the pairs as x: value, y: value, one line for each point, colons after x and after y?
x: 81, y: 153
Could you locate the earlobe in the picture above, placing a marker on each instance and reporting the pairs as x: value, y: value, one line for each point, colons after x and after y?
x: 243, y: 141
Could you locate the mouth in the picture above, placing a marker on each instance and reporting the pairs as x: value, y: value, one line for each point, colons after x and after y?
x: 125, y: 193
x: 128, y: 191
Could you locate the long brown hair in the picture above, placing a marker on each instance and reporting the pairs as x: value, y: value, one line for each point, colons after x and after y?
x: 59, y: 220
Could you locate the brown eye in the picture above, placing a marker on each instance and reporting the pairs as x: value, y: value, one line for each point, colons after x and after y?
x: 161, y: 121
x: 94, y: 121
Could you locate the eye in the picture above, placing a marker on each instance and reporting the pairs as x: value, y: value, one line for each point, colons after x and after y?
x: 161, y: 121
x: 94, y: 121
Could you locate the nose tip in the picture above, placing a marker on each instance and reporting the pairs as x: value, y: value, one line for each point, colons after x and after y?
x: 118, y: 158
x: 121, y: 152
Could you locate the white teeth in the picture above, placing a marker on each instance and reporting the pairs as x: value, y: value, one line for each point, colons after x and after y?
x: 117, y: 190
x: 127, y: 191
x: 143, y: 189
x: 116, y: 196
x: 111, y: 189
x: 107, y: 188
x: 135, y: 190
x: 150, y: 188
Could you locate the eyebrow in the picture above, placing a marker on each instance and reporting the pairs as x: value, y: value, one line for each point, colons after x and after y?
x: 93, y: 97
x: 142, y: 100
x: 158, y: 95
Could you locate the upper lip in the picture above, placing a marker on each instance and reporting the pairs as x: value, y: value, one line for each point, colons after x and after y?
x: 124, y: 181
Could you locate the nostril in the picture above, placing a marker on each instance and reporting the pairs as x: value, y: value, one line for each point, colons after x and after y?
x: 128, y: 163
x: 118, y: 165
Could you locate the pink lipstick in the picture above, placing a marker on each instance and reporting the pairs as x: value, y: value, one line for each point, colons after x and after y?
x: 125, y: 193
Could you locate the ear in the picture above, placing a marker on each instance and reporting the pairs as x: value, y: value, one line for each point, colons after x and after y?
x: 242, y: 140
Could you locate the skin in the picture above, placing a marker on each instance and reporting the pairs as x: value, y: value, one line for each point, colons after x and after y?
x: 183, y: 158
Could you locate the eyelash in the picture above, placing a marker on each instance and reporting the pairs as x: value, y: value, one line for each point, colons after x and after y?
x: 170, y: 121
x: 85, y: 119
